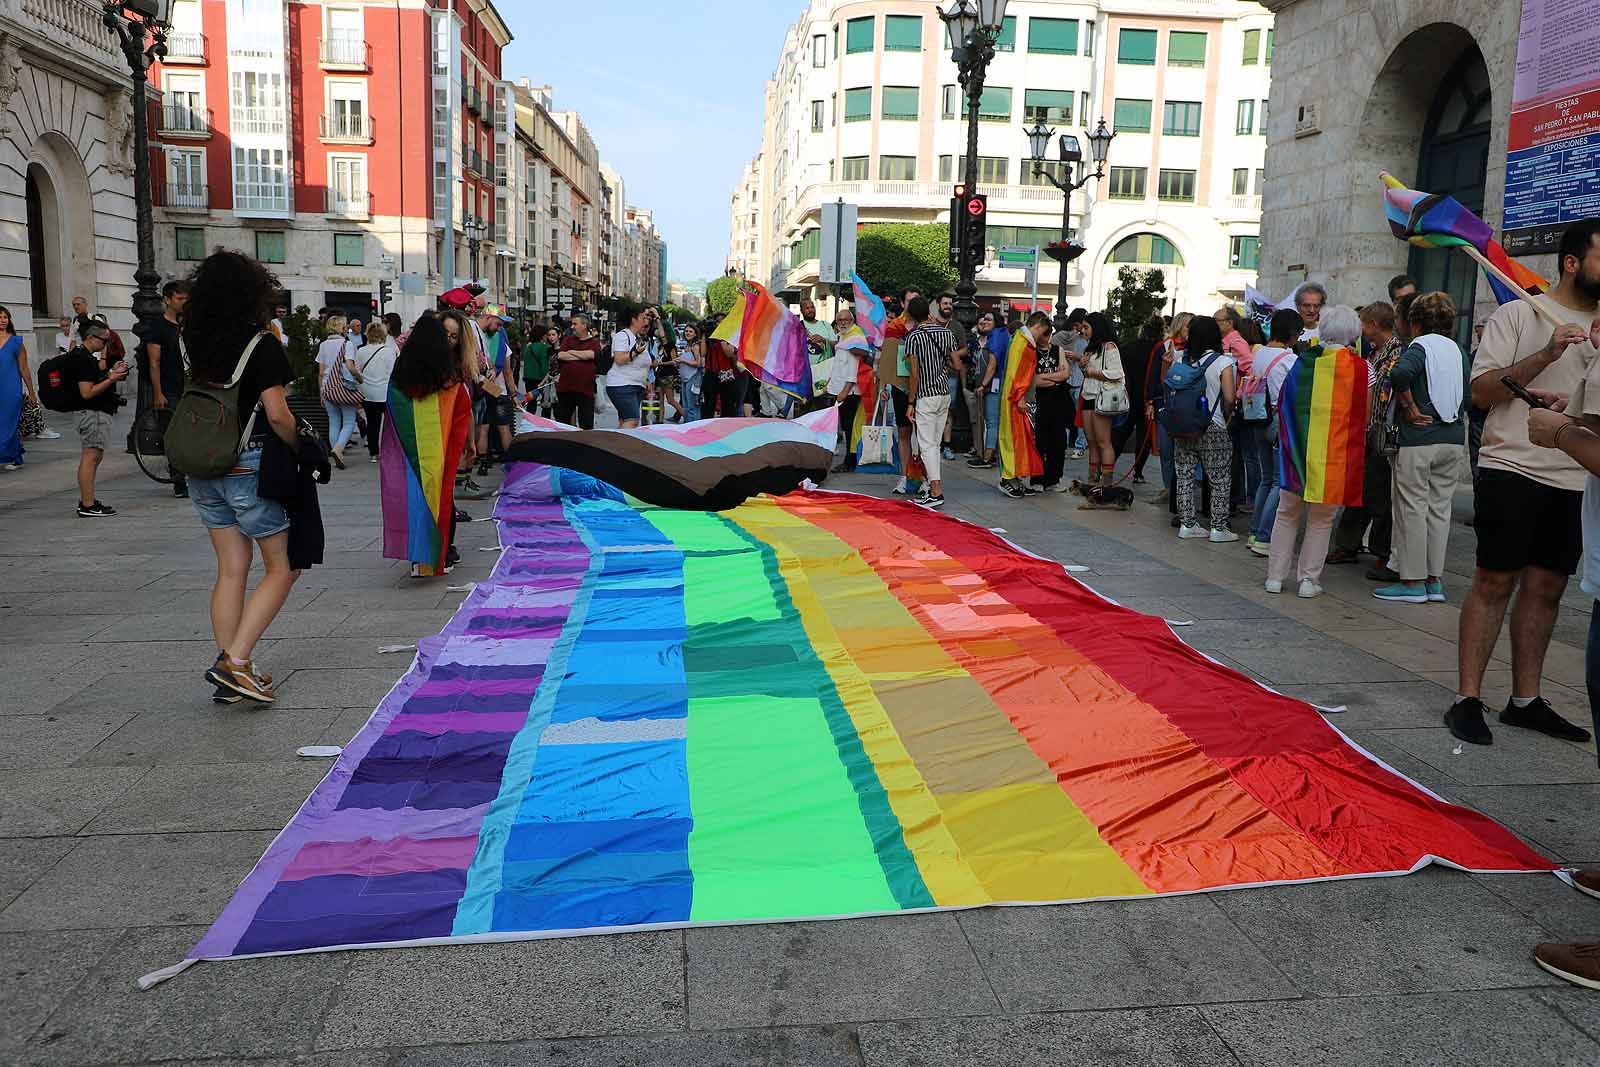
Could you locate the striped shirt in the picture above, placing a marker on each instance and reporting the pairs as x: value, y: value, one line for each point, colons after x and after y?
x: 931, y: 345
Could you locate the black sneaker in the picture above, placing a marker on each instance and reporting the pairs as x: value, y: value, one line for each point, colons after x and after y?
x: 979, y: 463
x: 96, y: 510
x: 462, y: 516
x: 1465, y: 720
x: 1378, y: 572
x: 1542, y: 717
x: 1013, y: 490
x: 452, y: 558
x: 225, y: 696
x: 932, y: 503
x: 180, y: 490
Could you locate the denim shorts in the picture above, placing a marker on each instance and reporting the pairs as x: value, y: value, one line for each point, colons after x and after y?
x: 232, y: 501
x: 627, y: 399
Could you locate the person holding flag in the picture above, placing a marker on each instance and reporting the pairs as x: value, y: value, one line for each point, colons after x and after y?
x: 1019, y: 455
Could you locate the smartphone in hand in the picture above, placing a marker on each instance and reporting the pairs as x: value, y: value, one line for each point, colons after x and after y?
x: 1520, y: 393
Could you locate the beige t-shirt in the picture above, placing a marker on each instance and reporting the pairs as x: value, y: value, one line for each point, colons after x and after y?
x: 1513, y: 333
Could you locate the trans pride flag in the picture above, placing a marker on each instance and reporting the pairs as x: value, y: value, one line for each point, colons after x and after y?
x: 871, y: 315
x: 1432, y: 220
x: 813, y: 706
x: 1322, y: 427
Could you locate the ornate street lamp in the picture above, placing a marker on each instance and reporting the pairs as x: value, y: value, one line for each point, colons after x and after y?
x: 141, y: 27
x: 475, y: 231
x: 1074, y: 176
x: 973, y: 27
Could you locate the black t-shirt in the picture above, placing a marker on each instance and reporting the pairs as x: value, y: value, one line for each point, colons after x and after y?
x: 165, y: 334
x: 84, y: 366
x: 268, y: 366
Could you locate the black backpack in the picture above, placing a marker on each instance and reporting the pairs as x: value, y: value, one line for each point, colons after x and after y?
x: 58, y: 389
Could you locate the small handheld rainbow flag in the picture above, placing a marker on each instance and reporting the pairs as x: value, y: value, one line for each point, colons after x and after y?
x: 1432, y: 220
x: 871, y: 315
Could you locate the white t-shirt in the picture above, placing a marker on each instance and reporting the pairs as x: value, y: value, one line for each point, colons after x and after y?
x: 376, y: 363
x: 1214, y: 385
x: 1276, y: 369
x: 634, y: 372
x: 64, y: 342
x: 1108, y: 361
x: 329, y: 351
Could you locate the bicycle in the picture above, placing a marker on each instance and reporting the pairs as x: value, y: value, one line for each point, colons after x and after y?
x: 147, y: 439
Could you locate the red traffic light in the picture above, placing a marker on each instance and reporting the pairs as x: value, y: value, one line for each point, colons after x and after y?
x: 976, y: 206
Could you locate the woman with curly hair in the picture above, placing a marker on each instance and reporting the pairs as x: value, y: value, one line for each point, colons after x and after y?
x: 225, y: 331
x: 426, y: 436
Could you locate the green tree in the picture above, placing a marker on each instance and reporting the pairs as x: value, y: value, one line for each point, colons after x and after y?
x: 678, y: 314
x: 721, y: 293
x: 896, y: 256
x: 300, y: 345
x: 1139, y: 294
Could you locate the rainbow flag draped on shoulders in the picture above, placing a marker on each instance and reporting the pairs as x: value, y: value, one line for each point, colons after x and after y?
x: 772, y: 342
x: 421, y: 446
x: 1433, y: 220
x: 1322, y: 427
x: 1019, y: 455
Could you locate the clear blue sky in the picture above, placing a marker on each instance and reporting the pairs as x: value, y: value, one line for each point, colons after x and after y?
x: 671, y: 94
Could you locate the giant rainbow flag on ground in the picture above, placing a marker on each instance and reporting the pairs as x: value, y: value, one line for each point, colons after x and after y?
x: 1433, y: 220
x: 1322, y: 427
x: 813, y: 706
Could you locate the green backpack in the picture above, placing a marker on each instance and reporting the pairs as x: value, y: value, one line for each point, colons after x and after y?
x: 204, y: 438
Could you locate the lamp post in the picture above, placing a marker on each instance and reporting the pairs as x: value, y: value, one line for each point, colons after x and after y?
x: 972, y: 27
x: 141, y: 27
x: 1074, y: 176
x: 475, y: 230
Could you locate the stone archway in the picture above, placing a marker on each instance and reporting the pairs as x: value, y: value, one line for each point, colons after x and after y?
x: 61, y: 229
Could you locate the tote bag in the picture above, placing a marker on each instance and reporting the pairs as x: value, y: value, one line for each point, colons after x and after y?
x: 879, y: 451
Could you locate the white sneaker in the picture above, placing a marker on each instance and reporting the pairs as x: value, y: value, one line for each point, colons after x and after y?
x: 1309, y: 589
x: 899, y: 488
x: 1273, y: 587
x: 1077, y: 453
x: 1223, y: 537
x: 1190, y: 533
x: 50, y: 435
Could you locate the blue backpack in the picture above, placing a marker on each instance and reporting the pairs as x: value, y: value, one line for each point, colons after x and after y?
x: 1186, y: 412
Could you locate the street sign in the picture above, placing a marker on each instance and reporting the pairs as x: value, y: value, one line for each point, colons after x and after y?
x: 838, y: 255
x: 1018, y: 256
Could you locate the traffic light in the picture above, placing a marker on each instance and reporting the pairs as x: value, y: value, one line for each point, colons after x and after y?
x: 974, y: 225
x: 374, y: 310
x: 385, y: 293
x: 958, y: 219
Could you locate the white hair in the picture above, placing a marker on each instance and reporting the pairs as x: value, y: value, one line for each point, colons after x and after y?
x: 1309, y: 287
x: 1339, y: 325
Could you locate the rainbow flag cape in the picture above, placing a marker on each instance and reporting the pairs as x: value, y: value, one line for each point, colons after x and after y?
x: 814, y: 706
x: 1322, y: 427
x: 871, y: 315
x: 421, y: 447
x: 772, y: 343
x: 1432, y: 220
x: 1019, y: 455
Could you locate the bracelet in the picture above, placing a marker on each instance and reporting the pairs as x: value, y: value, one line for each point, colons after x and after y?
x: 1564, y: 428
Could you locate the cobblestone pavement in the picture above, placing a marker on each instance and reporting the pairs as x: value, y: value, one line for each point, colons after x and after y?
x: 130, y: 806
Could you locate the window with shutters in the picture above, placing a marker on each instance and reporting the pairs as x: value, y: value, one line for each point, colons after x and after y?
x: 1241, y: 181
x: 1145, y: 248
x: 854, y: 169
x: 819, y: 51
x: 191, y: 242
x: 1180, y: 118
x: 1053, y: 37
x: 1136, y: 48
x: 995, y: 104
x: 1031, y: 173
x: 1053, y: 107
x: 270, y: 246
x: 992, y: 170
x: 902, y: 33
x: 1131, y: 116
x: 900, y: 102
x: 1127, y: 183
x: 816, y: 116
x: 949, y: 101
x: 808, y: 247
x: 858, y: 36
x: 1261, y: 180
x: 1186, y: 48
x: 1267, y: 57
x: 897, y: 168
x: 1246, y: 119
x: 1007, y: 42
x: 1252, y: 47
x: 858, y: 105
x: 1176, y: 185
x: 1244, y: 253
x: 349, y: 250
x: 1088, y: 37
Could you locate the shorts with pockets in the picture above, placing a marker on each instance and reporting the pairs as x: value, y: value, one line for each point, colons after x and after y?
x: 1523, y: 523
x: 232, y: 500
x: 627, y: 399
x: 94, y: 429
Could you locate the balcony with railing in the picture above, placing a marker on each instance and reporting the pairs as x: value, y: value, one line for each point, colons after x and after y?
x: 343, y: 204
x: 346, y: 128
x: 175, y: 195
x: 472, y: 97
x: 472, y: 160
x: 344, y: 51
x: 182, y: 122
x: 185, y: 48
x: 489, y: 171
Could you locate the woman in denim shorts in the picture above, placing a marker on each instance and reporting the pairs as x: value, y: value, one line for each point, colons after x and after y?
x: 231, y: 300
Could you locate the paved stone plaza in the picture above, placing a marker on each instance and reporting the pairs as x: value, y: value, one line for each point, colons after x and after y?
x: 130, y: 806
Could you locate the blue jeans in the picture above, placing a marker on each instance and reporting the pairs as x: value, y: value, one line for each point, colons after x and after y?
x: 1591, y: 665
x: 991, y: 421
x: 341, y: 423
x: 689, y: 396
x: 1266, y: 508
x: 1256, y: 451
x: 1169, y: 465
x: 1081, y: 441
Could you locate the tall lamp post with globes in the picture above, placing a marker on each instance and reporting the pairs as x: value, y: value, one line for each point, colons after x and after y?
x: 1074, y: 176
x: 141, y: 27
x: 973, y: 27
x: 475, y: 231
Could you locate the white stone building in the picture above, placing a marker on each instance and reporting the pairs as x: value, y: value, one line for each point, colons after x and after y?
x: 66, y: 167
x: 865, y: 106
x: 1420, y: 88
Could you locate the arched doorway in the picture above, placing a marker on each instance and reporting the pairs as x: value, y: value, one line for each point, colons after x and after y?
x: 1454, y: 160
x: 60, y: 210
x: 38, y: 265
x: 1145, y: 251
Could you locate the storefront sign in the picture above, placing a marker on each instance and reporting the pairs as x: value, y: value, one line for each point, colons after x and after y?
x: 1553, y: 151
